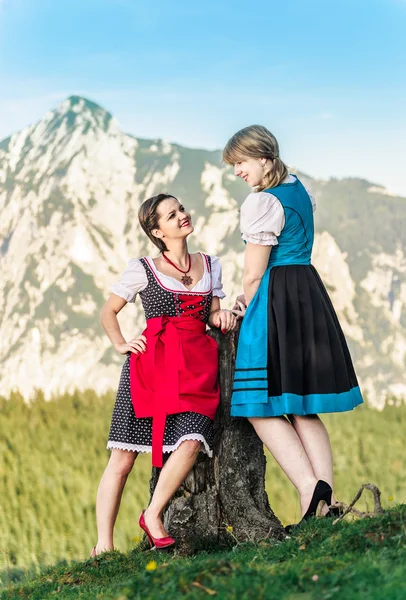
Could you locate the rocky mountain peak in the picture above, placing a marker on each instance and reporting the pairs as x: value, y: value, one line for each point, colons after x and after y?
x: 79, y: 112
x: 68, y: 140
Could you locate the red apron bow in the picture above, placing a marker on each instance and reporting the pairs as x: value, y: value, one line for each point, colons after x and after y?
x: 164, y: 350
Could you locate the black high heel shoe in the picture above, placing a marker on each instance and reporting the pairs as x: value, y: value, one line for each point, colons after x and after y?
x: 322, y: 493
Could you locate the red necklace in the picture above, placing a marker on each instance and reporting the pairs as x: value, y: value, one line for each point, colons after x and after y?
x: 186, y: 279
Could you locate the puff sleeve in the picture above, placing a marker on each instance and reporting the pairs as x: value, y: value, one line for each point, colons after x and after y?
x: 216, y: 277
x: 132, y: 281
x: 262, y: 219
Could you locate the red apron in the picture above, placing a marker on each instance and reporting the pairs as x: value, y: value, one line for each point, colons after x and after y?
x: 177, y: 373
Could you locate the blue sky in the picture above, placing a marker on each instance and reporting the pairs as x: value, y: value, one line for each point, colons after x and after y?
x: 327, y: 78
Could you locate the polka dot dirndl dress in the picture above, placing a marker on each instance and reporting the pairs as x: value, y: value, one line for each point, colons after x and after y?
x: 132, y: 433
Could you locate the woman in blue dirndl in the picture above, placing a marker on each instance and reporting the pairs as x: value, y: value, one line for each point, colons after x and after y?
x: 292, y: 358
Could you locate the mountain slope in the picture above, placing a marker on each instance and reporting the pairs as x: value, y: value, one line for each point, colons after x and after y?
x: 70, y: 188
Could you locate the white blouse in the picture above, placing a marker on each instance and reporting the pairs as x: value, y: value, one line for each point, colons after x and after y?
x: 262, y: 217
x: 134, y: 279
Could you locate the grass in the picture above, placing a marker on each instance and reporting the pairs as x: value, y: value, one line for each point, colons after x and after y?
x: 52, y: 455
x: 351, y: 560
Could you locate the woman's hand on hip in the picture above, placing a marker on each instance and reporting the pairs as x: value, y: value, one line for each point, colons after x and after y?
x: 136, y: 345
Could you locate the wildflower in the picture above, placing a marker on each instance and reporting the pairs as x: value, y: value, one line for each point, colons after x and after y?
x: 390, y: 498
x: 315, y: 578
x: 230, y: 528
x: 151, y: 566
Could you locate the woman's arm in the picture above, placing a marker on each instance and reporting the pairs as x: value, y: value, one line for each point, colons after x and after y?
x: 255, y: 263
x: 108, y: 317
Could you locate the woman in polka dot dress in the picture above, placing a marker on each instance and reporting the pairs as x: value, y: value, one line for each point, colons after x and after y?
x: 168, y: 392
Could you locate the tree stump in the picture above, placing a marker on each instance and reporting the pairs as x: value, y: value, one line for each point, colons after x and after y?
x: 223, y: 499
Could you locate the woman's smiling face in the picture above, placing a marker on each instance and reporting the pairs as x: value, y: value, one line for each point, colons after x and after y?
x: 173, y: 220
x: 250, y: 169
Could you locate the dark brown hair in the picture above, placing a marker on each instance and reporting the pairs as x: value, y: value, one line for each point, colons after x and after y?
x: 257, y: 141
x: 148, y: 218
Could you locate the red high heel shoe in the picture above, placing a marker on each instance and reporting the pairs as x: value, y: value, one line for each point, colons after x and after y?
x: 158, y: 543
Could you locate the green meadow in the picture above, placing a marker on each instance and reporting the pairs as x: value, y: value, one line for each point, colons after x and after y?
x: 360, y: 560
x: 52, y: 455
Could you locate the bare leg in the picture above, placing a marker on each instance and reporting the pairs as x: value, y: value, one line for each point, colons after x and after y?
x: 316, y: 442
x: 109, y: 496
x: 172, y: 475
x: 283, y: 442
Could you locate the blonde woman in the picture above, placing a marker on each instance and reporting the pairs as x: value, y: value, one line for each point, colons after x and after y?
x: 292, y: 361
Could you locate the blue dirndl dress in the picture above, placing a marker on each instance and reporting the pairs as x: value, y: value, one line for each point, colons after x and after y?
x: 292, y: 356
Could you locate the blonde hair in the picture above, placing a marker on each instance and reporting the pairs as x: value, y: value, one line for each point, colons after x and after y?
x: 257, y: 141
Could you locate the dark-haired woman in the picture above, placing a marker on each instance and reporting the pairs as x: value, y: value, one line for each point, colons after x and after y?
x: 168, y: 392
